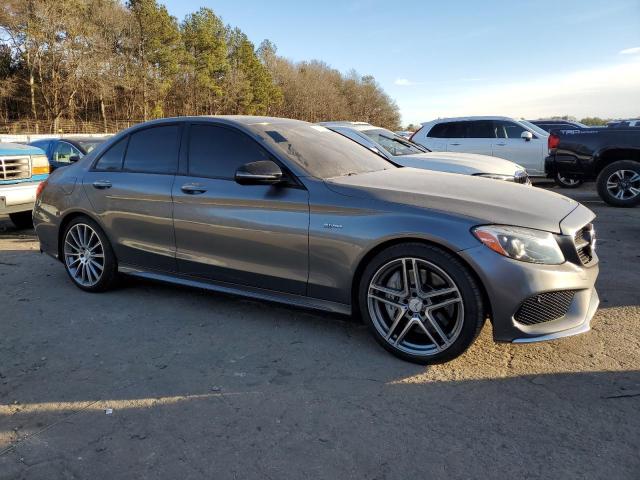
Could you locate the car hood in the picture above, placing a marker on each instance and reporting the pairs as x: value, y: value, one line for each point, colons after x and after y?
x: 485, y: 200
x: 453, y: 162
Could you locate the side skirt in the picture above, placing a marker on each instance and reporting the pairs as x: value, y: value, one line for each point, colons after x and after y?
x: 243, y: 291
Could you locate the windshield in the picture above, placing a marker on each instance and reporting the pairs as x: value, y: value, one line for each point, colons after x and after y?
x: 89, y: 145
x: 536, y: 129
x: 319, y: 151
x: 392, y: 143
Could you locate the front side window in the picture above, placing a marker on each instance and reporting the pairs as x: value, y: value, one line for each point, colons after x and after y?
x: 153, y: 150
x: 217, y: 152
x: 508, y: 129
x: 64, y: 151
x: 111, y: 160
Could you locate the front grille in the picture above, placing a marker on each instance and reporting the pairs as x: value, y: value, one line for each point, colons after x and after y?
x: 544, y: 307
x: 15, y: 168
x: 585, y: 242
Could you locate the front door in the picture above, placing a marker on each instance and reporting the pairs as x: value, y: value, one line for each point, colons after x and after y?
x: 130, y: 190
x: 251, y: 235
x: 511, y: 146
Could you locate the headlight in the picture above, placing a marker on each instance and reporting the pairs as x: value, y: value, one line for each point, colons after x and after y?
x: 39, y: 165
x: 525, y: 244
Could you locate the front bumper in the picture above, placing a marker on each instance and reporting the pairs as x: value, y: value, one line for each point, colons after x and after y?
x: 509, y: 283
x: 19, y: 197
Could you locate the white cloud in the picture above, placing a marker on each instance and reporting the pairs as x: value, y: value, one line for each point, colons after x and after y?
x: 605, y: 91
x: 630, y: 51
x: 403, y: 82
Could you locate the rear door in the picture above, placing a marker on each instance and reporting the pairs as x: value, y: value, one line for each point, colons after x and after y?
x: 250, y: 235
x: 511, y: 146
x: 130, y: 190
x: 470, y: 137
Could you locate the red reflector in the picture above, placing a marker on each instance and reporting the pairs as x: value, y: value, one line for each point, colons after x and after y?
x: 553, y: 141
x: 40, y: 187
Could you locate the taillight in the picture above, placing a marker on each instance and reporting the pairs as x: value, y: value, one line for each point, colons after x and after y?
x: 553, y: 141
x: 40, y: 187
x: 40, y: 165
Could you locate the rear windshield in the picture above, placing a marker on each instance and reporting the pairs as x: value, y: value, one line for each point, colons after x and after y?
x: 89, y: 145
x: 319, y: 151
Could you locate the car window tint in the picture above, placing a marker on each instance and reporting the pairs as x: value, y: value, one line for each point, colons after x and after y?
x: 153, y: 150
x: 439, y: 131
x: 112, y: 158
x: 508, y: 129
x: 218, y: 151
x: 64, y: 151
x: 480, y: 129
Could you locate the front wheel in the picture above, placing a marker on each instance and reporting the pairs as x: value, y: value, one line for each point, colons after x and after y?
x: 566, y: 182
x: 619, y: 183
x: 421, y: 303
x: 88, y: 256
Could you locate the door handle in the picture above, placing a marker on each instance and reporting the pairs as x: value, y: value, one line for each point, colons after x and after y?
x: 193, y: 188
x: 102, y: 184
x: 454, y: 144
x: 501, y: 144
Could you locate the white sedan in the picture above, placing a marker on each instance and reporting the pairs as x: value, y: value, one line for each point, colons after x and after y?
x: 403, y: 152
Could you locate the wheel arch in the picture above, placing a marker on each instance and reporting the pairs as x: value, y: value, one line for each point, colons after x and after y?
x: 68, y: 218
x: 609, y: 155
x: 372, y: 252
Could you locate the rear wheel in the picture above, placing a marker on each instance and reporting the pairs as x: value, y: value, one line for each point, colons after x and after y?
x: 22, y: 220
x: 619, y: 183
x: 567, y: 182
x: 88, y: 256
x: 421, y: 303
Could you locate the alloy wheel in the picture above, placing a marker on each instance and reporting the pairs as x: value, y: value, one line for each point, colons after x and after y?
x: 624, y: 184
x: 568, y: 182
x: 84, y: 255
x: 415, y: 306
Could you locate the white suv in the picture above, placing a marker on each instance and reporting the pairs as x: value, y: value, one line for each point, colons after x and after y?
x: 516, y: 140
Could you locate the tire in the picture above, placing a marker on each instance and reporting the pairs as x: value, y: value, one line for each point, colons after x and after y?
x: 88, y: 257
x: 565, y: 182
x: 404, y: 325
x: 22, y: 220
x: 619, y: 183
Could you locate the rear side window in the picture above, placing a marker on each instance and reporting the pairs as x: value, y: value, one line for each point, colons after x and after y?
x: 480, y: 129
x: 439, y: 130
x: 217, y: 152
x: 112, y: 158
x: 153, y: 150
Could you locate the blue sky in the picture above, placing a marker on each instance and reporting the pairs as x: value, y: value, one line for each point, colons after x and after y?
x: 444, y: 58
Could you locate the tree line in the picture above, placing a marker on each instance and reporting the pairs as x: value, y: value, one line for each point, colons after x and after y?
x: 100, y: 61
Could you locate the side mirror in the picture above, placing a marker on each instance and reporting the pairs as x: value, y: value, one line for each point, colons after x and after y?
x: 264, y: 172
x: 526, y: 135
x: 74, y: 158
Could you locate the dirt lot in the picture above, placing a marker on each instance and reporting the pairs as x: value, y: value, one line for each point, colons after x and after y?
x: 207, y: 385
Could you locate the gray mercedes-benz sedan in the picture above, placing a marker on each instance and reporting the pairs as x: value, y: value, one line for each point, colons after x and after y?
x: 287, y: 211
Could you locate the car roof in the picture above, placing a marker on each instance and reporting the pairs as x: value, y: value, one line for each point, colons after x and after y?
x: 360, y: 126
x: 465, y: 119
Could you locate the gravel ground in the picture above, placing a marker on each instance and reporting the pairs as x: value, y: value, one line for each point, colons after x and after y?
x: 157, y: 381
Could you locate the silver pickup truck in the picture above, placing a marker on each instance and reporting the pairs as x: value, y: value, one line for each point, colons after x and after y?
x: 22, y: 169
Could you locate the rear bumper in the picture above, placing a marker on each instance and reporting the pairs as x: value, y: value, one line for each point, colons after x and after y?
x: 18, y: 197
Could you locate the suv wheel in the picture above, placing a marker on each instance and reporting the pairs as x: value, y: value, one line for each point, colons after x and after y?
x: 566, y: 182
x: 22, y: 220
x: 88, y: 256
x: 619, y: 183
x: 421, y: 303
